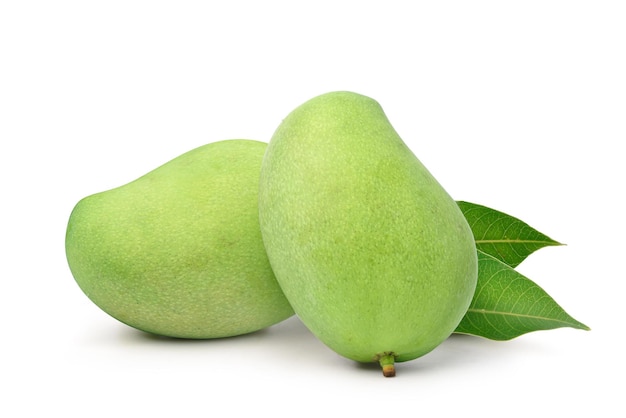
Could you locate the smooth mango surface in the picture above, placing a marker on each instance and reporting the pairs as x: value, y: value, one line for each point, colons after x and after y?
x: 372, y: 253
x: 178, y: 252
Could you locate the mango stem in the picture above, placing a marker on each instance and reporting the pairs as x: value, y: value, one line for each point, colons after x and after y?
x: 386, y: 361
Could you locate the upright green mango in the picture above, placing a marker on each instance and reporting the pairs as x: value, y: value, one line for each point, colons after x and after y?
x: 178, y: 252
x: 372, y: 253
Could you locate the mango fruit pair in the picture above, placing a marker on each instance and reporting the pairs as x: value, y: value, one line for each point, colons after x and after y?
x: 335, y: 219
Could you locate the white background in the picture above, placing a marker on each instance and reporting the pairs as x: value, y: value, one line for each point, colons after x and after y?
x: 519, y: 106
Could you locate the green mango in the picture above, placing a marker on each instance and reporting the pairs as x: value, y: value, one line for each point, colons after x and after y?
x: 178, y: 252
x: 374, y: 256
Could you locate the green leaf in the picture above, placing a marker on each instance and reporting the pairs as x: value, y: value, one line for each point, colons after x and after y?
x: 506, y: 304
x: 507, y: 238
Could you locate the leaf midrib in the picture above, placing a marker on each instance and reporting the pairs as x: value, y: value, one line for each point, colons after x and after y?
x: 524, y: 241
x: 517, y: 315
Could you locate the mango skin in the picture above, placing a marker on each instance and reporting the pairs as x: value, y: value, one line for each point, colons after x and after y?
x: 178, y: 252
x: 372, y: 253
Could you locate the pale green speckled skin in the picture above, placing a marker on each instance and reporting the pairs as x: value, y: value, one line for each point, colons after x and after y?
x: 178, y: 252
x: 372, y: 253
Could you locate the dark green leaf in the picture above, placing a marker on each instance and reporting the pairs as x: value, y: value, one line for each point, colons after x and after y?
x: 506, y: 304
x: 507, y: 238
